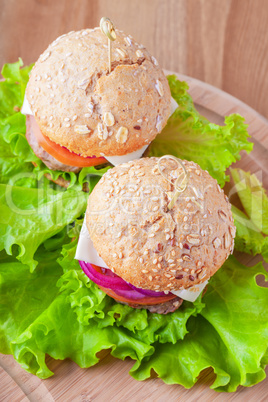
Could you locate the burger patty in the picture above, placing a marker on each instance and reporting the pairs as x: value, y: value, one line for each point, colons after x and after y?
x: 162, y: 308
x: 45, y: 157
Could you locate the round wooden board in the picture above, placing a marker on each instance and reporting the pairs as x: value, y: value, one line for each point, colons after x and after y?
x: 109, y: 379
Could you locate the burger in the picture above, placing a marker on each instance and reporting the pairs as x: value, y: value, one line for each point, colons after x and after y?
x: 155, y: 231
x: 79, y: 114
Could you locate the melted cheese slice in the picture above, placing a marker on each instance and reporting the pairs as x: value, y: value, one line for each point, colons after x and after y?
x: 86, y: 252
x: 114, y: 160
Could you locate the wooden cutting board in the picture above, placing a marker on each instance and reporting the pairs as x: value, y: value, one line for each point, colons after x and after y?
x: 109, y: 379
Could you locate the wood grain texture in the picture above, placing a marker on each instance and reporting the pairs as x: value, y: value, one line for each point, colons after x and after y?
x: 109, y: 379
x: 221, y: 42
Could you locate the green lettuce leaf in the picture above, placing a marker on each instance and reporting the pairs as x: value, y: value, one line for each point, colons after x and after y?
x: 14, y: 153
x: 188, y: 135
x: 251, y: 225
x: 248, y: 238
x: 58, y: 333
x: 253, y: 198
x: 230, y: 335
x: 13, y: 87
x: 67, y: 315
x: 228, y: 331
x: 29, y: 217
x: 25, y: 295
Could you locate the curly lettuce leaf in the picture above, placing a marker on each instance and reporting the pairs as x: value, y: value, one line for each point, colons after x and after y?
x: 68, y: 316
x: 148, y: 327
x: 13, y: 87
x: 31, y: 216
x: 253, y: 198
x: 230, y: 335
x: 58, y: 333
x: 241, y: 319
x: 14, y: 157
x: 25, y: 295
x: 188, y: 135
x: 15, y: 154
x: 248, y: 238
x: 252, y: 224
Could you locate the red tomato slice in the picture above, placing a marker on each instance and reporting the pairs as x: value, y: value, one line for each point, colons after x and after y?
x: 145, y: 301
x: 60, y: 153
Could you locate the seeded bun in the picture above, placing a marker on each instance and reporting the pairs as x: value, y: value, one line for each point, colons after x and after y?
x: 149, y: 245
x: 80, y: 105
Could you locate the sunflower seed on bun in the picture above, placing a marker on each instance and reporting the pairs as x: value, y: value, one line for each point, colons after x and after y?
x: 89, y: 113
x: 150, y: 244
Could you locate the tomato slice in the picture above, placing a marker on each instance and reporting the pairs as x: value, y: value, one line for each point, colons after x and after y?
x: 60, y: 153
x: 149, y: 301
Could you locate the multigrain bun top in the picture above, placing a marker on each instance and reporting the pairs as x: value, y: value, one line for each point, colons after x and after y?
x: 149, y: 245
x: 80, y: 105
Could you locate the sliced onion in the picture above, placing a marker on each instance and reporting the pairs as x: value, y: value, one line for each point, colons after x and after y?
x: 110, y: 280
x: 109, y: 272
x: 103, y: 280
x: 129, y: 294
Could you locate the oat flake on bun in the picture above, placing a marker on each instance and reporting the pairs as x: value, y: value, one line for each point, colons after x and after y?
x: 82, y: 107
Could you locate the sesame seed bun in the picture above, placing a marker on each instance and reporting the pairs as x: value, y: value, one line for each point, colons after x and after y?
x: 78, y: 104
x: 149, y: 245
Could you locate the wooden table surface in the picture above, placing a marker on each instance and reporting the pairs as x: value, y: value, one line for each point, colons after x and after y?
x: 221, y: 42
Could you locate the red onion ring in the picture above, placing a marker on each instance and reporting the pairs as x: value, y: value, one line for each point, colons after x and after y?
x: 129, y: 294
x: 103, y: 280
x: 112, y: 281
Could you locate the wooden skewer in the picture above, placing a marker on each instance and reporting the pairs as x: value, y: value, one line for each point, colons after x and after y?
x: 181, y: 182
x: 107, y: 28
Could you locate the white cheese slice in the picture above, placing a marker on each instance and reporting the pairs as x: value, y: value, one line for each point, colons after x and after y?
x: 173, y: 106
x: 26, y: 109
x: 114, y: 160
x: 86, y: 252
x: 192, y: 293
x: 118, y: 160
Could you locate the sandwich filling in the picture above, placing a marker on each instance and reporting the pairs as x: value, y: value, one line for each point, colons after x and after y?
x: 57, y: 157
x: 54, y: 156
x: 96, y: 269
x: 123, y: 292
